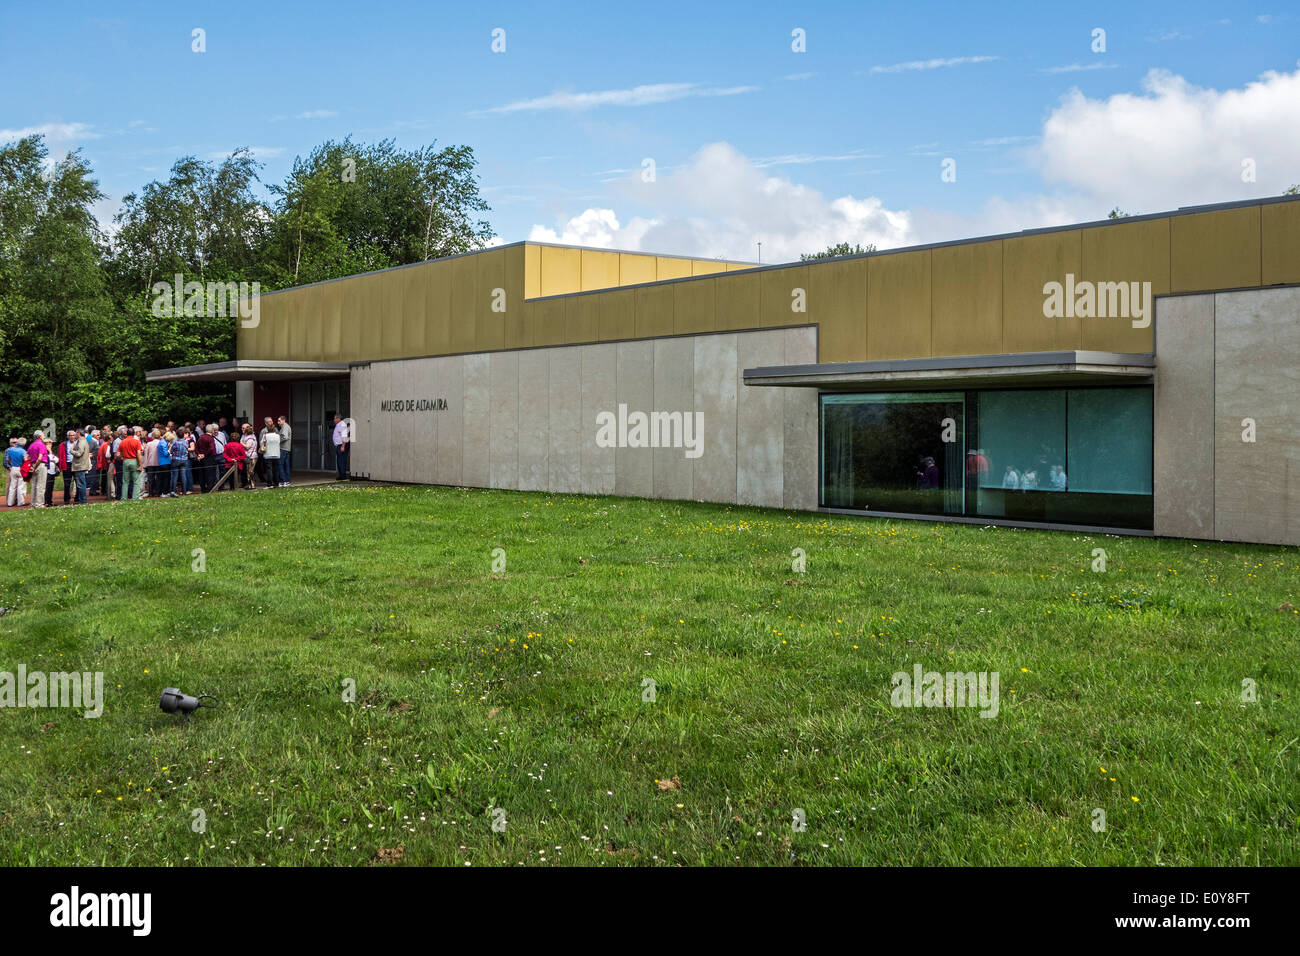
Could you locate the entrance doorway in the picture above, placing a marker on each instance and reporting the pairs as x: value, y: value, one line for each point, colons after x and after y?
x: 312, y: 407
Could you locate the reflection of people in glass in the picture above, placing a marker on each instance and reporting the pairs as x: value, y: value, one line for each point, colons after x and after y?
x: 1011, y: 478
x: 1059, y: 482
x: 977, y: 466
x: 1029, y: 481
x: 929, y: 474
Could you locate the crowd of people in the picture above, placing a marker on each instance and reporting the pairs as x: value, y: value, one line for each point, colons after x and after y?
x: 129, y: 463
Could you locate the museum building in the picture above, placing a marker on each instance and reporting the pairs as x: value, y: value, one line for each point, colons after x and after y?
x: 1138, y: 375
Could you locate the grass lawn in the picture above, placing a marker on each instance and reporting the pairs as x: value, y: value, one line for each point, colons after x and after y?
x: 522, y: 689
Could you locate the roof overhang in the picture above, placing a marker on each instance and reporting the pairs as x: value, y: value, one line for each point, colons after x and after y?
x: 248, y: 370
x: 966, y: 371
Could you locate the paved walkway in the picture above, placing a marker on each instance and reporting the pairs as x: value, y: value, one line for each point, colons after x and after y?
x: 299, y: 479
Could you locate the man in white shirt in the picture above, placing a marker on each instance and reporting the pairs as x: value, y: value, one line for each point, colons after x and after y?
x: 342, y: 442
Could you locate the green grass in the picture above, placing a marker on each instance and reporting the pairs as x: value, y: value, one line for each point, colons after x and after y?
x: 522, y: 689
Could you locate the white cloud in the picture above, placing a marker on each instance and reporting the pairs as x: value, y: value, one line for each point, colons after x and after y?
x: 53, y: 133
x: 934, y: 64
x: 317, y: 114
x: 1175, y: 144
x: 801, y: 159
x: 1081, y: 67
x: 598, y: 228
x: 720, y: 203
x: 644, y: 95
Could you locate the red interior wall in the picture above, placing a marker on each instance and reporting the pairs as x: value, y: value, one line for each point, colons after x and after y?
x: 270, y: 398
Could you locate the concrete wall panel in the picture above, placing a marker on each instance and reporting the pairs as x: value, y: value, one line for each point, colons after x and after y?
x: 674, y: 373
x: 1183, y: 477
x: 799, y: 451
x: 503, y: 402
x: 1257, y: 376
x: 633, y: 468
x: 564, y: 403
x: 534, y: 419
x: 449, y: 383
x: 760, y: 423
x: 716, y: 382
x: 599, y: 365
x: 526, y: 419
x: 475, y: 458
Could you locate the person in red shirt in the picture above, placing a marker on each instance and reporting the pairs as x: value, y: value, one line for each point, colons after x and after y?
x: 129, y: 451
x: 237, y: 455
x: 104, y: 464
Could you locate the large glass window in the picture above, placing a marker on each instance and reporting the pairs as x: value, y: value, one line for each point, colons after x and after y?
x: 887, y: 452
x: 1069, y: 456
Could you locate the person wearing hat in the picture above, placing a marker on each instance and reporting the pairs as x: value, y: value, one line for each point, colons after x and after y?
x: 16, y: 491
x: 929, y: 474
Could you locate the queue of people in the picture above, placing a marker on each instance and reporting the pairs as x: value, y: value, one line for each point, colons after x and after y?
x: 131, y: 463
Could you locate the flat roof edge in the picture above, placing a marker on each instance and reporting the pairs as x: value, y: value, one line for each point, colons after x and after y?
x: 957, y: 363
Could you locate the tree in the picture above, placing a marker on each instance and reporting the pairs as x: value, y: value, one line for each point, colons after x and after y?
x: 1117, y: 213
x: 837, y: 250
x: 1292, y: 191
x: 204, y: 220
x: 53, y: 303
x: 350, y: 208
x: 204, y: 223
x: 77, y: 327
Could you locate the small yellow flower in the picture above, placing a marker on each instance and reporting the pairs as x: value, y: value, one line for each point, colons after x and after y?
x: 1135, y: 799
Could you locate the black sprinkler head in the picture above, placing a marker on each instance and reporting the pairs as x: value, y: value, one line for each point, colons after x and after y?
x: 175, y: 702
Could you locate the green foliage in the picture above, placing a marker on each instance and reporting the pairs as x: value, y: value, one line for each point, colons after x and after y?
x: 839, y: 249
x: 77, y: 332
x: 351, y: 208
x: 53, y: 302
x: 1117, y: 213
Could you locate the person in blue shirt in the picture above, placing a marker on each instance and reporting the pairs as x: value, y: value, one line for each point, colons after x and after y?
x: 166, y: 473
x: 16, y: 493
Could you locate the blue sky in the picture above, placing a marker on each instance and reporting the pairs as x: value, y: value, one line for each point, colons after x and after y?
x: 751, y: 141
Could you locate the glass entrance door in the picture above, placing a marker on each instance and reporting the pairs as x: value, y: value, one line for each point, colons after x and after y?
x: 312, y: 408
